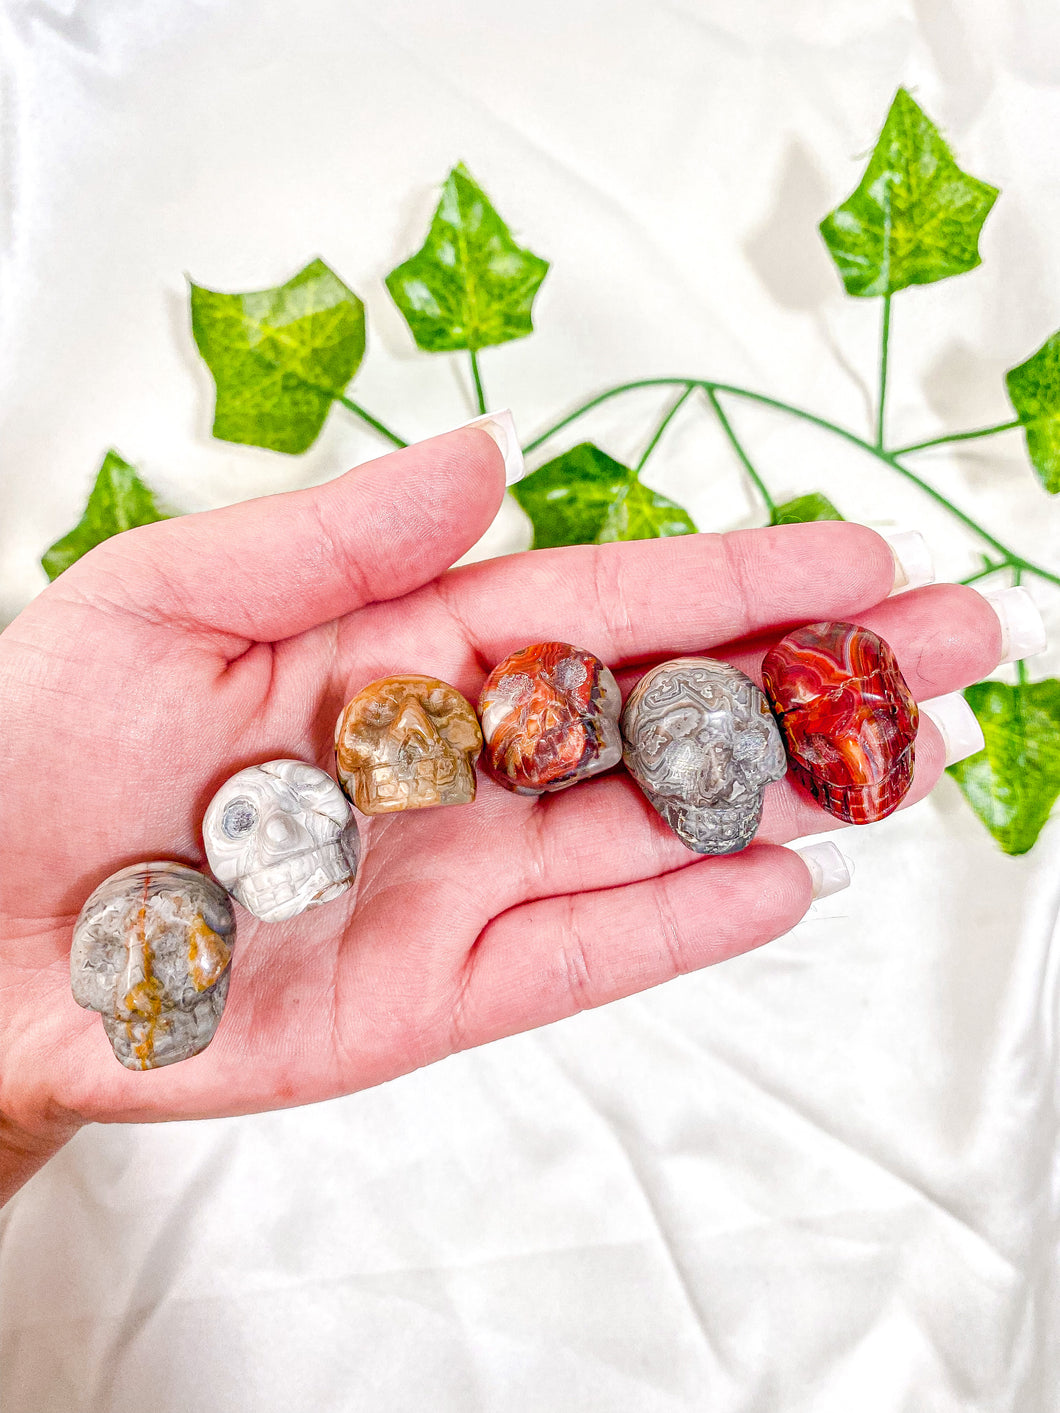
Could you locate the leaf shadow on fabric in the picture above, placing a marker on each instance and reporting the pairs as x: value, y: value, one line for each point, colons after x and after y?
x: 785, y: 250
x: 963, y: 386
x: 787, y: 254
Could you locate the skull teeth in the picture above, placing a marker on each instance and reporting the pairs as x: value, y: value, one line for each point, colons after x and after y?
x: 279, y: 893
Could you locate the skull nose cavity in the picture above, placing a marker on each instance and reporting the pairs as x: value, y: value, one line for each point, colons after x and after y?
x: 684, y: 759
x: 415, y: 747
x: 280, y: 829
x: 417, y: 729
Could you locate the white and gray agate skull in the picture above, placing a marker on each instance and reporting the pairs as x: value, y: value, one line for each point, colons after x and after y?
x: 702, y: 744
x: 150, y: 952
x: 281, y: 838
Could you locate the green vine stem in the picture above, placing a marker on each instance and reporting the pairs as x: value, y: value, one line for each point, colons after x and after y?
x: 366, y: 416
x: 959, y: 437
x: 734, y: 441
x: 661, y: 428
x: 989, y: 567
x: 885, y: 339
x: 1009, y: 557
x: 1021, y: 666
x: 480, y: 395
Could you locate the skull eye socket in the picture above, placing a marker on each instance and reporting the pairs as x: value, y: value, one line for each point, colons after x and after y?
x: 685, y: 721
x: 377, y: 714
x: 439, y: 703
x: 239, y: 818
x: 749, y: 743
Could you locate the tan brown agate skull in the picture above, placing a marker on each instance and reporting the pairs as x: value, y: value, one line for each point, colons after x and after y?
x: 404, y: 743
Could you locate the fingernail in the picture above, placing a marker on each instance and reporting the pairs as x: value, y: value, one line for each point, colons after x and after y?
x: 830, y: 870
x: 501, y: 427
x: 958, y: 726
x: 1022, y: 630
x: 913, y: 564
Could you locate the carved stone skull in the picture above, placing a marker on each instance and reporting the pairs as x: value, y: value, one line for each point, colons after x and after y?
x: 281, y: 838
x: 150, y: 952
x: 405, y: 743
x: 550, y: 718
x: 847, y: 715
x: 702, y: 744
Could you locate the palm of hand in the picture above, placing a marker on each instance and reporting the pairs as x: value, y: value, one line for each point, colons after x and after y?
x: 176, y: 655
x: 341, y: 997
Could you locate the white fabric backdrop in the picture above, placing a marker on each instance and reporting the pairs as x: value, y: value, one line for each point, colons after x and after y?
x: 822, y: 1177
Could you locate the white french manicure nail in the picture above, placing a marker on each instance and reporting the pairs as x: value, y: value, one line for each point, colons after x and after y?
x: 913, y: 564
x: 957, y: 724
x: 501, y: 427
x: 830, y: 870
x: 1022, y: 630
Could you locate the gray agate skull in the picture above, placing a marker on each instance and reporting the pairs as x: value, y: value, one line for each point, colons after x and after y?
x: 150, y: 952
x: 702, y: 744
x: 281, y: 838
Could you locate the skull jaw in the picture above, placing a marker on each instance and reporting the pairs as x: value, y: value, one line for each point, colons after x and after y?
x: 435, y: 780
x: 712, y: 811
x: 150, y: 1042
x: 859, y: 804
x: 714, y: 830
x: 303, y: 881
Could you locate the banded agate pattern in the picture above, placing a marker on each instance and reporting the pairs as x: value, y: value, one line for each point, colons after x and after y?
x: 281, y: 838
x: 848, y: 718
x: 550, y: 718
x: 407, y: 743
x: 701, y: 742
x: 150, y: 952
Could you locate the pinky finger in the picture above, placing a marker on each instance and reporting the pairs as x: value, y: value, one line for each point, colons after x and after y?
x: 545, y: 960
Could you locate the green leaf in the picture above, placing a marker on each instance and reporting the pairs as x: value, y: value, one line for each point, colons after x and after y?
x: 1034, y: 390
x: 119, y: 500
x: 803, y: 508
x: 469, y: 286
x: 915, y: 217
x: 1013, y: 784
x: 585, y: 497
x: 640, y: 513
x: 279, y: 356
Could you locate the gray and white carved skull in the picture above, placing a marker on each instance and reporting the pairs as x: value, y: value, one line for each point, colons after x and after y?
x: 281, y: 838
x: 702, y: 743
x: 150, y: 952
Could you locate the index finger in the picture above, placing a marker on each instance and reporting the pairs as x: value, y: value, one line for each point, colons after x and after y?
x: 629, y: 601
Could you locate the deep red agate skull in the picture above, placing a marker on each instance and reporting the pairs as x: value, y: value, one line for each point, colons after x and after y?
x: 848, y: 719
x: 549, y: 717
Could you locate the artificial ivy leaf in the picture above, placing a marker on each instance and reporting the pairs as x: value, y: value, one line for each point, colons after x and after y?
x: 469, y: 286
x: 585, y: 497
x: 279, y: 356
x: 119, y: 500
x: 1034, y: 390
x: 640, y: 513
x: 803, y: 508
x: 568, y: 499
x: 915, y: 217
x: 1013, y: 784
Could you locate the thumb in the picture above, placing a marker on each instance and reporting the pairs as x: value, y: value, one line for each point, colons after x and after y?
x: 269, y: 568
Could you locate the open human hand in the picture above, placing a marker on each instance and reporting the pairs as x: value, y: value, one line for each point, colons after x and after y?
x: 177, y: 653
